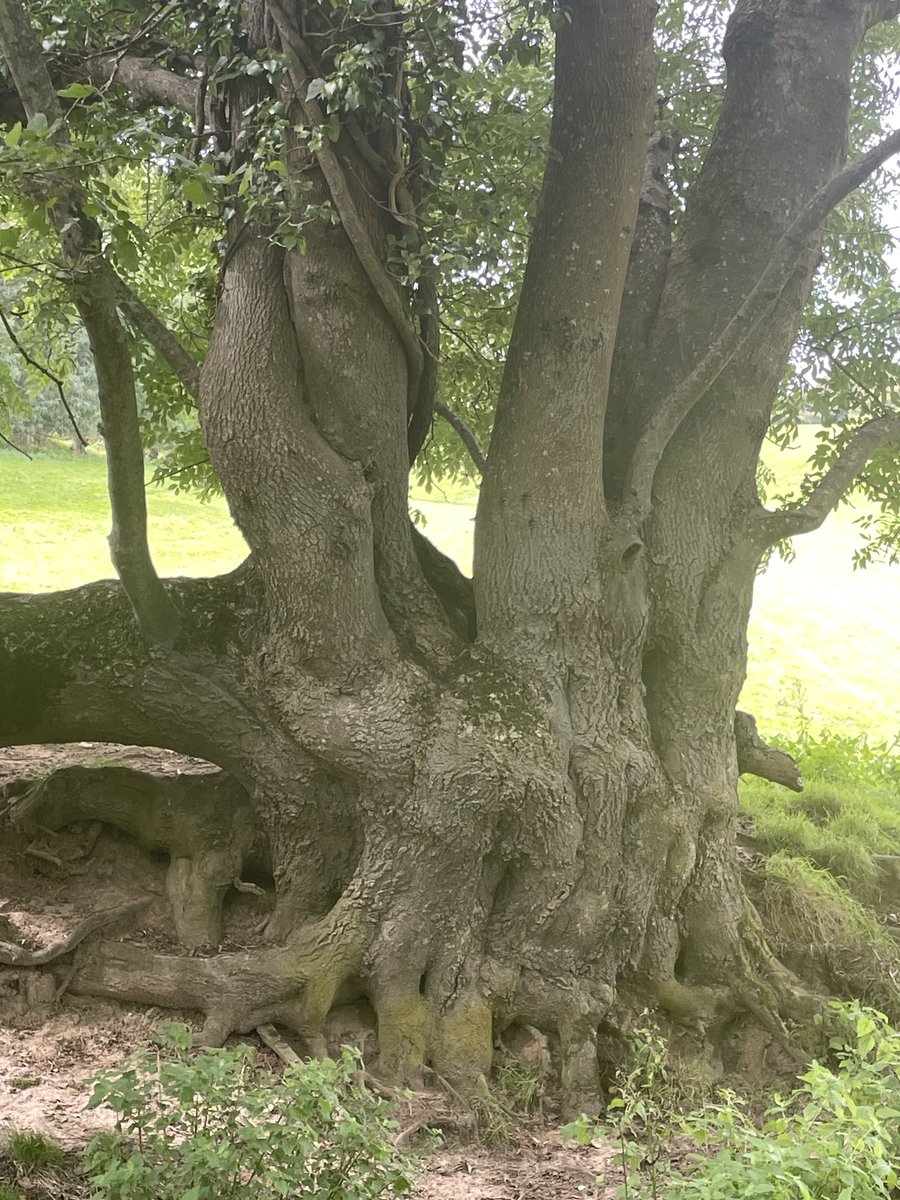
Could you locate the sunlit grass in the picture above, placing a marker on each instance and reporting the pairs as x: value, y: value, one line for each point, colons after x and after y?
x: 54, y: 521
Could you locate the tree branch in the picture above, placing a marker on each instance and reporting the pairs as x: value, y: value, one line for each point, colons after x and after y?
x: 756, y: 757
x: 159, y: 335
x: 758, y: 304
x: 466, y: 436
x: 769, y: 527
x: 46, y: 372
x: 147, y: 84
x: 383, y: 283
x: 95, y: 300
x: 74, y: 667
x: 13, y: 446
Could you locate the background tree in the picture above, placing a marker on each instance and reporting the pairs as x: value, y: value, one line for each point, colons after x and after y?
x: 510, y: 799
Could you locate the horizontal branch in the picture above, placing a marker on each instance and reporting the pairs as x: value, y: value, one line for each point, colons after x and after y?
x: 74, y: 667
x: 770, y: 527
x: 759, y: 303
x: 147, y: 84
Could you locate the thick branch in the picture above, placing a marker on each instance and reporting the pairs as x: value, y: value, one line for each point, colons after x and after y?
x: 756, y: 757
x: 770, y: 527
x: 80, y: 240
x: 542, y: 506
x: 159, y: 335
x: 147, y: 84
x: 73, y: 667
x: 758, y: 304
x: 384, y: 284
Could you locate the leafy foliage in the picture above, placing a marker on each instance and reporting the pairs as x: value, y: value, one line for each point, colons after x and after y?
x: 209, y: 1124
x: 835, y: 1137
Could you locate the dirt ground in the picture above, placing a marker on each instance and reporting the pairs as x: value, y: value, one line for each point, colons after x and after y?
x: 52, y: 1042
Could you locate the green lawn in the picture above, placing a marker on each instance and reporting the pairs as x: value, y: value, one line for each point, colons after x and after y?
x: 820, y: 630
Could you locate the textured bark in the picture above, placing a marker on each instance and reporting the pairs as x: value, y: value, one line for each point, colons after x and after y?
x: 510, y: 801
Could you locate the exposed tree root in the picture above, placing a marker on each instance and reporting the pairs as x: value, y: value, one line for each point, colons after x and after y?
x: 294, y: 986
x: 203, y: 822
x: 18, y: 956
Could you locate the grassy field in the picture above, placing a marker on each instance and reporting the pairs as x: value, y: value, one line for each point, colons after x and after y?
x: 824, y: 639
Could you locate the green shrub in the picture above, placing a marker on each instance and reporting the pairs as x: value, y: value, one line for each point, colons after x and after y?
x: 836, y: 1137
x: 642, y: 1113
x: 211, y: 1124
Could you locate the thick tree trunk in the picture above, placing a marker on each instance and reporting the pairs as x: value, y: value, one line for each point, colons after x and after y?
x: 527, y: 815
x: 465, y: 853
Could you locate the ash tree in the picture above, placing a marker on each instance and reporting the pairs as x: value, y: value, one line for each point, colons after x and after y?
x: 615, y: 247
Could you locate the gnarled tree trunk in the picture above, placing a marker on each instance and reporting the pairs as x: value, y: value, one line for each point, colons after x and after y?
x: 532, y: 818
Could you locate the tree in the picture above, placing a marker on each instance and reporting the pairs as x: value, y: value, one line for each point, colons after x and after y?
x: 510, y: 799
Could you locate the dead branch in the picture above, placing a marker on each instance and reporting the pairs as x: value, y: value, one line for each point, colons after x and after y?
x: 756, y: 757
x: 273, y: 1039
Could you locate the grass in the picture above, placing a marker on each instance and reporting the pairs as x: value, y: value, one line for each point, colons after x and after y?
x: 822, y: 636
x: 32, y: 1150
x: 821, y: 931
x: 54, y: 521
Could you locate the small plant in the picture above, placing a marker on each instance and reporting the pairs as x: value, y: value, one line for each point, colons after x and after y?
x: 32, y: 1150
x: 835, y: 1137
x: 496, y: 1122
x: 643, y: 1111
x: 211, y: 1124
x: 8, y: 1192
x: 522, y: 1087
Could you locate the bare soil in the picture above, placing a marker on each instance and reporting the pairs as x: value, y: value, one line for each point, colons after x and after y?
x: 52, y: 1042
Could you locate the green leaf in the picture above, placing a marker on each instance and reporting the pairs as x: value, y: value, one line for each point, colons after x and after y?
x: 195, y: 191
x: 13, y: 136
x: 77, y: 91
